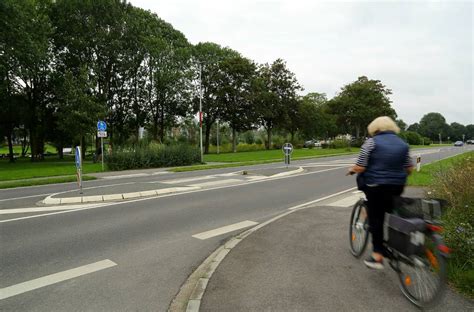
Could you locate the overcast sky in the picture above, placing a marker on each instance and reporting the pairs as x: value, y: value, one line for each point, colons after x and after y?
x: 421, y: 50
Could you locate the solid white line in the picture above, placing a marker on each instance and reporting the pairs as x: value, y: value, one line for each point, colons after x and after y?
x: 134, y: 175
x: 346, y: 201
x: 224, y: 229
x: 321, y: 199
x: 213, y: 183
x: 41, y: 209
x: 14, y: 198
x: 54, y: 278
x: 185, y: 180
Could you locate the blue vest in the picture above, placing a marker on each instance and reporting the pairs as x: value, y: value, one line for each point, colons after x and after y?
x: 386, y: 160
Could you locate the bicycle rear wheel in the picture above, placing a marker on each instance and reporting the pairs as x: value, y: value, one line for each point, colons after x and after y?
x: 359, y: 229
x: 423, y: 282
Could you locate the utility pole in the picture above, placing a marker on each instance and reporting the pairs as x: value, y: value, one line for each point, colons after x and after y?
x: 217, y: 136
x: 200, y: 112
x: 440, y: 139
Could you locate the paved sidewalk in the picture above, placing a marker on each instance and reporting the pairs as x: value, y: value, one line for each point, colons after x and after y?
x: 301, y: 262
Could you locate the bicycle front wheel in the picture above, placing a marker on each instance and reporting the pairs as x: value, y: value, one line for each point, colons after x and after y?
x: 359, y: 229
x: 423, y: 282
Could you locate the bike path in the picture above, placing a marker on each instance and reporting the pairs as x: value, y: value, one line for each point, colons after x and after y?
x: 301, y: 262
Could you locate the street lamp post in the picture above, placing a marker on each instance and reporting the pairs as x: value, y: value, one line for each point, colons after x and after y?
x: 200, y: 112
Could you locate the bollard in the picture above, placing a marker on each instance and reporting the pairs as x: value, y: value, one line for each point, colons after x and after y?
x: 418, y: 163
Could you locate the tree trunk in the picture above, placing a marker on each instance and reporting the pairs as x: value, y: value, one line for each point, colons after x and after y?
x: 83, y: 145
x: 269, y: 135
x: 357, y: 131
x: 207, y: 135
x: 24, y: 145
x: 234, y: 140
x: 10, y: 146
x: 60, y: 150
x: 162, y: 125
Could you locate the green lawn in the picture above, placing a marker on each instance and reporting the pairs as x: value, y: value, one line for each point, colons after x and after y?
x: 275, y: 155
x: 42, y: 181
x: 23, y: 168
x: 427, y: 173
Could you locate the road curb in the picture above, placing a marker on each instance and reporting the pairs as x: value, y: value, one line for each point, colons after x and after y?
x: 114, y: 197
x: 190, y: 295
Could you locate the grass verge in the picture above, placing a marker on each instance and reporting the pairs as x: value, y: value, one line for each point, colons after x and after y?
x: 427, y: 173
x: 23, y: 168
x: 230, y: 164
x: 452, y: 179
x: 42, y: 181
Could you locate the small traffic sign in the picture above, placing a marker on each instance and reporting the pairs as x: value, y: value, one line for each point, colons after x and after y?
x: 287, y: 149
x: 101, y: 125
x: 101, y: 134
x: 78, y: 157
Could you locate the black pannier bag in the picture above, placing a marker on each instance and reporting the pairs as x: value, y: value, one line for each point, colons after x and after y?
x: 428, y: 209
x: 405, y: 235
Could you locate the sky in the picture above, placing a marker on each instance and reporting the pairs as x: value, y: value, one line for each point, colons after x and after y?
x: 421, y: 50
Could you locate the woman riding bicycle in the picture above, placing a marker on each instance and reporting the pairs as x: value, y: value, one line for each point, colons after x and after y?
x: 382, y: 167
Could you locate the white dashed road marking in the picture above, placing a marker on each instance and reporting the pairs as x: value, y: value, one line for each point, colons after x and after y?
x: 224, y: 229
x: 47, y: 280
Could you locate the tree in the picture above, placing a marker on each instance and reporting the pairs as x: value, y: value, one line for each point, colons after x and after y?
x: 401, y: 124
x: 414, y: 127
x: 235, y: 76
x: 359, y: 103
x: 314, y: 119
x: 169, y: 77
x: 457, y: 131
x: 207, y: 57
x: 25, y: 32
x: 77, y: 110
x: 432, y: 125
x: 274, y: 95
x: 470, y: 132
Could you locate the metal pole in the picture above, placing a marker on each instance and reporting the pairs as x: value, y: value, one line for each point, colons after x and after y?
x: 217, y: 136
x: 102, y: 151
x: 200, y: 112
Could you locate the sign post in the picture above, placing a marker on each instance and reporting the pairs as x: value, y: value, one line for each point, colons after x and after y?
x: 79, y: 167
x: 287, y: 150
x: 102, y: 133
x: 418, y: 162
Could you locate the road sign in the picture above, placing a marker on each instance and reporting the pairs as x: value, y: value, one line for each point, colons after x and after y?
x: 101, y: 134
x: 78, y: 157
x: 78, y: 167
x: 101, y: 125
x: 287, y: 149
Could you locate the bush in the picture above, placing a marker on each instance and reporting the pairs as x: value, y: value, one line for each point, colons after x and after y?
x: 455, y: 185
x: 426, y: 141
x: 152, y: 156
x: 339, y: 143
x: 413, y: 138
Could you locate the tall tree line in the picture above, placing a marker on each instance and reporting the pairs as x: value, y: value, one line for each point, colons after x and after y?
x: 66, y: 64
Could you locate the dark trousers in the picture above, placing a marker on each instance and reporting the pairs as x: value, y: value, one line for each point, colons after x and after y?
x: 379, y: 201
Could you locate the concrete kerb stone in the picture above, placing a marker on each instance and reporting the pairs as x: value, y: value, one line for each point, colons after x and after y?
x: 112, y: 197
x: 283, y: 174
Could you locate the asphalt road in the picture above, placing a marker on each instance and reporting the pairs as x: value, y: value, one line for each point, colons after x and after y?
x: 135, y: 255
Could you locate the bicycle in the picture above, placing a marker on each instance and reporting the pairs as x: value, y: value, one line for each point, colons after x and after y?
x: 422, y: 272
